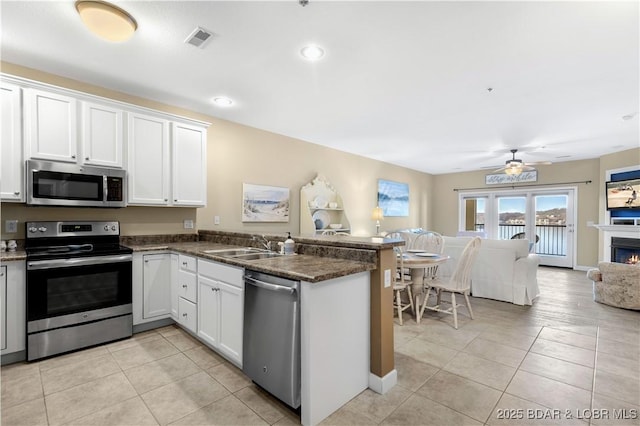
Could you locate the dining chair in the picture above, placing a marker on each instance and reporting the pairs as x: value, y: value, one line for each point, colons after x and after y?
x: 400, y: 284
x: 431, y: 242
x: 458, y: 283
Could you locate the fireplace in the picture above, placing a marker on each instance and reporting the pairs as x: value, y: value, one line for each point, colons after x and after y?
x: 625, y: 250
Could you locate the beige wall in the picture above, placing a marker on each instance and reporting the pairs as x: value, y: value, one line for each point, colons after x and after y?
x: 445, y: 216
x: 238, y: 154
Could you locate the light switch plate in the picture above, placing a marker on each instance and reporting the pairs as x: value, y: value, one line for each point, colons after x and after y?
x: 188, y: 224
x: 387, y: 278
x: 216, y: 220
x: 11, y: 226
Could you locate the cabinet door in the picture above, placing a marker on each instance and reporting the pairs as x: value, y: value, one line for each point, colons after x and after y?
x: 50, y: 126
x: 156, y: 283
x: 102, y: 135
x: 148, y: 160
x: 3, y: 306
x: 189, y: 153
x: 12, y: 179
x: 208, y: 310
x: 231, y: 321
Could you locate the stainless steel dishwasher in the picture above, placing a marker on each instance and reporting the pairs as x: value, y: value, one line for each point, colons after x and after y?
x: 271, y: 341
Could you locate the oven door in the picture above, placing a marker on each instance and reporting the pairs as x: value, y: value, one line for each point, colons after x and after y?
x: 61, y: 292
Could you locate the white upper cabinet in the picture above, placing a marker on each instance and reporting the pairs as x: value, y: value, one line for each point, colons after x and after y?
x: 189, y: 154
x: 50, y: 126
x: 102, y: 135
x: 148, y: 160
x: 12, y: 178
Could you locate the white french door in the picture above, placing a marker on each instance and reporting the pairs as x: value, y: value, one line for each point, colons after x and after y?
x: 544, y: 217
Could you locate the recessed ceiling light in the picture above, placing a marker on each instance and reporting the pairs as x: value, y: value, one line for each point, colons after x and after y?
x: 222, y: 101
x: 312, y: 52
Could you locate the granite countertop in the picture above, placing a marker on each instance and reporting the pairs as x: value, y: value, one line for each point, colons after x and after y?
x: 7, y: 256
x: 297, y: 267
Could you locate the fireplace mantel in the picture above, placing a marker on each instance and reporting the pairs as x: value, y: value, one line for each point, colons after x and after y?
x: 634, y: 229
x: 609, y: 231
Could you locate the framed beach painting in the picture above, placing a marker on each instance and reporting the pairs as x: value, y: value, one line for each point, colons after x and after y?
x: 393, y: 198
x: 262, y: 203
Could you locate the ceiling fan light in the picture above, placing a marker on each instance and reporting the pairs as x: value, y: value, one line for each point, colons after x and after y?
x: 513, y: 170
x: 106, y: 20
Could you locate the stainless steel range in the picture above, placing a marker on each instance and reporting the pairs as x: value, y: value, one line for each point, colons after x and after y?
x: 78, y: 286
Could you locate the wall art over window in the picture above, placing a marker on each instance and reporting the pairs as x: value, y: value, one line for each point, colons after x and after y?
x: 502, y: 178
x: 261, y: 203
x: 393, y: 198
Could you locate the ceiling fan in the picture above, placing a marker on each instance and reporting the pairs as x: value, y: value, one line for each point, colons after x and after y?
x: 514, y: 166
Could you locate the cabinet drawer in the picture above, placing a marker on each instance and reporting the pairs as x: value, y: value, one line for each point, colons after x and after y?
x: 188, y: 285
x: 187, y: 314
x: 225, y: 273
x: 187, y: 263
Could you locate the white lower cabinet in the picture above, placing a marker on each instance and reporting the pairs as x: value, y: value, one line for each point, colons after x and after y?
x: 221, y: 308
x: 151, y: 286
x: 185, y: 292
x: 13, y: 306
x: 156, y: 285
x: 187, y: 314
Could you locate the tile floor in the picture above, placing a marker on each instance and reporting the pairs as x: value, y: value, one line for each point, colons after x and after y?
x: 565, y: 356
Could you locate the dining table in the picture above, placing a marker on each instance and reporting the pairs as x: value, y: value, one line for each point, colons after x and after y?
x: 417, y: 261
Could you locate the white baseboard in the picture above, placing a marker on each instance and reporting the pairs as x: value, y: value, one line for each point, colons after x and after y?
x: 382, y: 385
x: 583, y: 268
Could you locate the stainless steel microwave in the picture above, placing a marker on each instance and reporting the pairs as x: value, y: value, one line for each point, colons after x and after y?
x: 73, y: 185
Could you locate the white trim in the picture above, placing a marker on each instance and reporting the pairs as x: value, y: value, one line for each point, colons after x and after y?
x: 82, y: 96
x: 382, y: 385
x: 583, y: 268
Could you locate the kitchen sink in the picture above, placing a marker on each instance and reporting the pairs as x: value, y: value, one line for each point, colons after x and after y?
x: 245, y: 253
x: 256, y: 256
x: 235, y: 252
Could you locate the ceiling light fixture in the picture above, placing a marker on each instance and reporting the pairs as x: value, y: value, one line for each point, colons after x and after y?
x: 222, y: 101
x: 106, y: 20
x: 312, y: 52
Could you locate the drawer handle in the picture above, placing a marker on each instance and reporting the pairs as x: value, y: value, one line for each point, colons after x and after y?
x: 184, y: 263
x: 17, y: 193
x: 73, y: 156
x: 184, y: 315
x: 86, y: 158
x: 184, y: 286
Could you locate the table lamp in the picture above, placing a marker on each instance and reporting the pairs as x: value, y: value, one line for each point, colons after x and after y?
x: 377, y: 215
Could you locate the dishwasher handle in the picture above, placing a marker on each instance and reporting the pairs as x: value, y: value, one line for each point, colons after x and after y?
x: 269, y: 286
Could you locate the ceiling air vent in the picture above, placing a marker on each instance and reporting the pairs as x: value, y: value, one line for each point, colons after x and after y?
x: 198, y: 37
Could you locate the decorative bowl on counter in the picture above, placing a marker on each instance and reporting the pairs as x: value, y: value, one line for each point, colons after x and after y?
x: 335, y: 225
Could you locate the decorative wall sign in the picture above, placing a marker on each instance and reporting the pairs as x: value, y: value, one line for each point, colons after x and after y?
x: 502, y: 178
x: 262, y: 203
x: 393, y: 198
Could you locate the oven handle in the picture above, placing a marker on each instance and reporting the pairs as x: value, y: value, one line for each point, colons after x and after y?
x: 80, y: 261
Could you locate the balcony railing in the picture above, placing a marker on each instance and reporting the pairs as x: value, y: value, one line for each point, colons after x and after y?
x: 552, y: 242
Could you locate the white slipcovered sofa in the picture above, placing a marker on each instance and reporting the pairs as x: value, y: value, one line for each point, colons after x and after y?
x: 504, y: 269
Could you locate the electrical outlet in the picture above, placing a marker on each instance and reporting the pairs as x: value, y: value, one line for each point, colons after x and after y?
x: 11, y: 226
x: 387, y: 278
x: 188, y: 224
x: 216, y: 220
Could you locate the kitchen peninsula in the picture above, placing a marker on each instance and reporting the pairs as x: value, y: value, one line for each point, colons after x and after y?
x: 346, y: 314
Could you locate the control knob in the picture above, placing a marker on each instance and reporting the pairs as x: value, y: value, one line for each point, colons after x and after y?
x: 113, y: 227
x: 33, y: 229
x: 106, y: 227
x: 42, y: 229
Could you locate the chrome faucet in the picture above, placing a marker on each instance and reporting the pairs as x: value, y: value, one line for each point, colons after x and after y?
x: 262, y: 240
